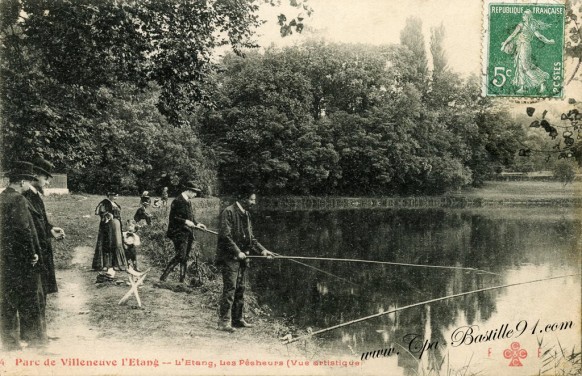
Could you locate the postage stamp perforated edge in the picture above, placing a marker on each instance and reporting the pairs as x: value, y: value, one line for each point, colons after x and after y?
x: 485, y: 53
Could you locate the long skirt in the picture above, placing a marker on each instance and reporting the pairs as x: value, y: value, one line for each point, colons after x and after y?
x: 109, y: 252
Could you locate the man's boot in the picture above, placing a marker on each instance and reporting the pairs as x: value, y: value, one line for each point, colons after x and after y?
x: 182, y: 272
x: 167, y: 271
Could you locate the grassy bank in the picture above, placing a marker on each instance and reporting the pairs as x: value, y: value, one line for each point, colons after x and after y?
x: 519, y: 190
x: 172, y: 312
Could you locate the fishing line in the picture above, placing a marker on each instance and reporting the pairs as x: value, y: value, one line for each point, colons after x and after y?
x: 380, y: 262
x: 319, y: 270
x: 422, y: 303
x: 295, y: 261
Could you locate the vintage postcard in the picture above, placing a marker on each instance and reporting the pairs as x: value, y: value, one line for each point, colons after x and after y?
x: 416, y: 206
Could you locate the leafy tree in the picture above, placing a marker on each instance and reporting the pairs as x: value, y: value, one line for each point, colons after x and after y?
x: 264, y: 132
x: 136, y: 149
x: 350, y: 78
x: 62, y: 62
x: 345, y: 119
x: 412, y: 39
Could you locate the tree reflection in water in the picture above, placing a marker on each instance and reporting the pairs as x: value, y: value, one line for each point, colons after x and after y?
x: 465, y: 238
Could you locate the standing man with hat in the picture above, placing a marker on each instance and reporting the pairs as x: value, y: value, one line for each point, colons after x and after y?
x: 44, y: 229
x: 235, y: 242
x: 21, y: 292
x: 181, y: 229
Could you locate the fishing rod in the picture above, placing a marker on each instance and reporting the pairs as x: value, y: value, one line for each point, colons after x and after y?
x: 295, y: 261
x: 319, y: 270
x: 423, y: 303
x: 206, y: 230
x: 379, y: 262
x: 295, y: 258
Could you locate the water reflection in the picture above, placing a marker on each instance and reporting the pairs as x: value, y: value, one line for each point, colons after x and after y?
x: 518, y: 248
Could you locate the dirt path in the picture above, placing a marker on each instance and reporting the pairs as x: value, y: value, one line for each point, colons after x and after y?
x: 68, y: 311
x: 172, y: 333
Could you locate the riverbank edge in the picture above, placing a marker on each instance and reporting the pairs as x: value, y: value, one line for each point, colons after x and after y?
x: 331, y: 203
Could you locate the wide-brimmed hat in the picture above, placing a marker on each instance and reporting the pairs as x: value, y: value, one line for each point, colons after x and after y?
x: 21, y: 170
x: 192, y: 186
x: 42, y: 167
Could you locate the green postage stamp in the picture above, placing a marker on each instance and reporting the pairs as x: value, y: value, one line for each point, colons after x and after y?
x: 523, y: 44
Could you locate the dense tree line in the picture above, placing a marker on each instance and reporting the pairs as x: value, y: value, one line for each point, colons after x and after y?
x: 325, y: 118
x: 128, y: 94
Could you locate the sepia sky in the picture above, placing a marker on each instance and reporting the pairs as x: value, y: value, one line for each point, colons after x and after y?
x: 380, y: 22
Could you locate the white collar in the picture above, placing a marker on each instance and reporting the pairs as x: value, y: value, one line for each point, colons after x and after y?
x: 185, y: 197
x: 34, y: 190
x: 240, y: 207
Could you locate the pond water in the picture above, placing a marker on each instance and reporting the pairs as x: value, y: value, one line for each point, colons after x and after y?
x: 513, y: 245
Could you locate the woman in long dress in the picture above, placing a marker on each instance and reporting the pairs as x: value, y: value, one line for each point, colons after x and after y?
x: 109, y: 252
x: 526, y: 74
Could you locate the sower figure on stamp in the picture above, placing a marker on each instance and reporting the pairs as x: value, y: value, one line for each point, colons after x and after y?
x: 181, y: 229
x: 526, y: 74
x: 21, y: 292
x: 235, y: 242
x: 44, y: 229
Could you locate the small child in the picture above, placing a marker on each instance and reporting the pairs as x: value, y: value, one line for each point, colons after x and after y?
x: 165, y: 196
x: 132, y: 242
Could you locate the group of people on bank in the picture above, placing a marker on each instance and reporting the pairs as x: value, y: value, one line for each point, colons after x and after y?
x: 27, y: 271
x: 235, y: 242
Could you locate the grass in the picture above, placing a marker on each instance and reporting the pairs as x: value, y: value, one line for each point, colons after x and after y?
x: 520, y: 190
x: 76, y: 215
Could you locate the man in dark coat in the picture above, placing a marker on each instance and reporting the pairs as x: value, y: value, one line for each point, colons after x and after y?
x: 181, y: 229
x: 235, y: 242
x: 44, y: 229
x: 142, y: 212
x: 21, y: 292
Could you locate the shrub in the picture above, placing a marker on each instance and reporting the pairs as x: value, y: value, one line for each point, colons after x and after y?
x: 564, y: 171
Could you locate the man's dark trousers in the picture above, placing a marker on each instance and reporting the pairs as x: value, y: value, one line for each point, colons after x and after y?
x: 27, y: 307
x: 182, y: 247
x: 232, y: 300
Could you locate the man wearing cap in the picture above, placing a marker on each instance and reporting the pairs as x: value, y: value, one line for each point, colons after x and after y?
x: 21, y: 292
x: 142, y: 213
x: 44, y: 229
x: 181, y: 229
x: 235, y: 242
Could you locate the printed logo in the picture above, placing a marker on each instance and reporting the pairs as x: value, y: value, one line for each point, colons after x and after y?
x: 515, y: 353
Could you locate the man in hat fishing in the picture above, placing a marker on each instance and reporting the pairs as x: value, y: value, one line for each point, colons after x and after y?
x: 181, y: 229
x: 21, y: 292
x: 44, y: 229
x: 235, y: 242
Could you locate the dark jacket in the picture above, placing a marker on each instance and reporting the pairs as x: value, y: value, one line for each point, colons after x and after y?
x: 180, y: 211
x: 43, y: 231
x: 236, y: 234
x: 140, y: 214
x: 108, y: 207
x: 18, y: 245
